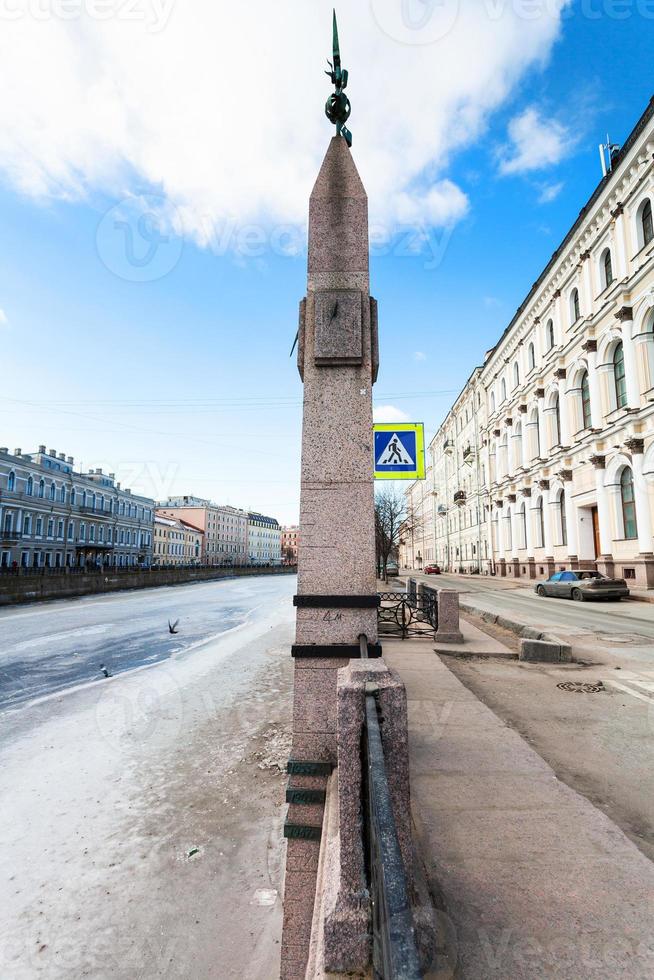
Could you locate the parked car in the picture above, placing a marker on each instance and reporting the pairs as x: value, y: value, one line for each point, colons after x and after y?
x: 583, y: 585
x: 392, y: 569
x: 432, y: 569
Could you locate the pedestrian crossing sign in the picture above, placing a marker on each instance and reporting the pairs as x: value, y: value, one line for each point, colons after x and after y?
x: 399, y: 451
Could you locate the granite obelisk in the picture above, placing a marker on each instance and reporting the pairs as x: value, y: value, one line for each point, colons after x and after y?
x: 336, y: 600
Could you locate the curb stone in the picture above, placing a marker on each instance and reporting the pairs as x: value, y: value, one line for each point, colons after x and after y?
x: 535, y: 646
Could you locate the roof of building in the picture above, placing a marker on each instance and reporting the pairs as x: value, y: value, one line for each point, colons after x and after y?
x: 616, y: 160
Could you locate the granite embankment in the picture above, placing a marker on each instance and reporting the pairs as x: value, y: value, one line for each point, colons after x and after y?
x: 66, y: 584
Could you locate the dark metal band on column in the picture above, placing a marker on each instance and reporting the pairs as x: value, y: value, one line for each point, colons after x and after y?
x: 336, y: 601
x: 346, y: 651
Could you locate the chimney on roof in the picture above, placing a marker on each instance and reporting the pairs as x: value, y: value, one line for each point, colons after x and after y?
x: 99, y: 472
x: 3, y: 449
x: 62, y: 456
x: 52, y: 452
x: 112, y: 476
x: 41, y: 449
x: 118, y: 486
x: 69, y: 459
x: 17, y: 452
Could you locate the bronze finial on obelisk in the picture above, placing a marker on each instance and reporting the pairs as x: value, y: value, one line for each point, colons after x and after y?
x: 337, y: 107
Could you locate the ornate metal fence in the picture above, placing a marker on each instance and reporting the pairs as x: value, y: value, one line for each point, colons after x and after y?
x: 410, y: 614
x: 394, y: 950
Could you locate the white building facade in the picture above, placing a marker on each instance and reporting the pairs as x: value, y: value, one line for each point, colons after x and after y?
x: 264, y: 540
x: 546, y: 460
x: 54, y: 517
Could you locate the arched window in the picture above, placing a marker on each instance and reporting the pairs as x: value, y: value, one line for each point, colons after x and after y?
x: 509, y: 531
x: 646, y: 226
x: 30, y: 486
x: 503, y: 390
x: 574, y: 306
x: 41, y: 488
x: 11, y: 482
x: 562, y: 520
x: 516, y: 375
x: 540, y: 523
x: 62, y: 493
x: 628, y: 503
x: 549, y: 334
x: 556, y: 434
x: 531, y: 357
x: 585, y: 401
x: 73, y: 495
x: 607, y: 268
x: 522, y: 516
x: 492, y: 402
x: 619, y: 376
x: 53, y: 491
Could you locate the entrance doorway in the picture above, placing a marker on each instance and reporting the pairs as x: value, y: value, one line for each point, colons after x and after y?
x: 596, y: 533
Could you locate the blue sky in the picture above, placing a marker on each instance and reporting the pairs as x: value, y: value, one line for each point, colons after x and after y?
x: 478, y: 150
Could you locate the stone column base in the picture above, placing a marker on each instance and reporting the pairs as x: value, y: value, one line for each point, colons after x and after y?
x: 532, y: 568
x: 502, y: 567
x: 646, y: 562
x: 515, y: 570
x: 606, y: 565
x: 448, y: 617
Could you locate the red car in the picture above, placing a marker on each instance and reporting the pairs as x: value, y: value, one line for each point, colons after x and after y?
x: 432, y: 569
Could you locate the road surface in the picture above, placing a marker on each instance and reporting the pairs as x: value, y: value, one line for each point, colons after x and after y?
x: 141, y: 814
x: 612, y: 623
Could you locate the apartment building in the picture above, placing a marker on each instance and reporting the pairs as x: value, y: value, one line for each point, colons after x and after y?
x: 53, y: 516
x: 225, y: 528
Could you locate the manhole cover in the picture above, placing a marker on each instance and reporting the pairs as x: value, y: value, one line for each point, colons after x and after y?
x: 579, y: 687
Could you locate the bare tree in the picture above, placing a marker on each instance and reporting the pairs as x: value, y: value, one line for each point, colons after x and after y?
x: 389, y: 515
x: 413, y: 526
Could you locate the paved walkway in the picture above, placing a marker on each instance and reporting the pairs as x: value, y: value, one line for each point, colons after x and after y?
x: 536, y: 881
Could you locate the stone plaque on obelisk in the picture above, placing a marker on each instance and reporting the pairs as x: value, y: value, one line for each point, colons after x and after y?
x: 336, y: 600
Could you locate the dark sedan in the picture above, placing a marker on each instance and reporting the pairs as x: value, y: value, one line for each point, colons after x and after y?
x: 582, y: 586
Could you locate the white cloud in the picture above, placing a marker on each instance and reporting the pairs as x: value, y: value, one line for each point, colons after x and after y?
x: 389, y: 413
x: 4, y: 322
x: 218, y: 107
x: 536, y: 143
x: 549, y: 192
x: 419, y: 355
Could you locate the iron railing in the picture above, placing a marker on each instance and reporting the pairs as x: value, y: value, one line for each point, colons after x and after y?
x: 410, y: 614
x: 394, y: 948
x: 104, y: 569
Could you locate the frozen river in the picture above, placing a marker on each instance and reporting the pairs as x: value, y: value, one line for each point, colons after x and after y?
x: 49, y: 647
x: 141, y: 814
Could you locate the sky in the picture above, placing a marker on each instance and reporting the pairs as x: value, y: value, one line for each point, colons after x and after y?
x: 156, y: 159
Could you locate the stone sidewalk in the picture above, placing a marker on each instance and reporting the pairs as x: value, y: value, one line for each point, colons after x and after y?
x: 535, y: 881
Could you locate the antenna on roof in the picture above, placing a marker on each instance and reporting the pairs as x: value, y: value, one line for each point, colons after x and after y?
x: 608, y: 152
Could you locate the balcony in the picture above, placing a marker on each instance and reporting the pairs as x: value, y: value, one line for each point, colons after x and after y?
x: 8, y: 537
x: 469, y: 455
x: 90, y: 509
x: 448, y: 447
x: 460, y: 498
